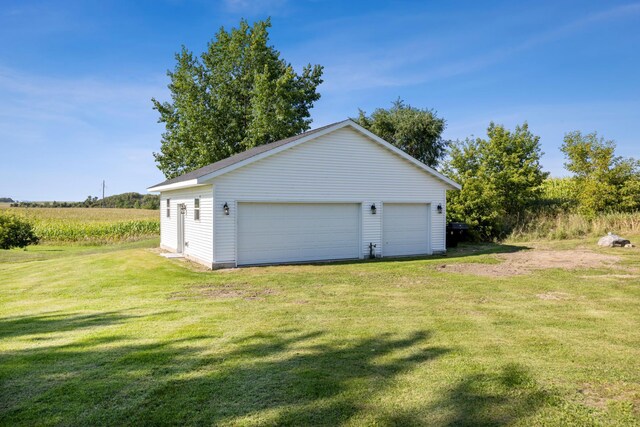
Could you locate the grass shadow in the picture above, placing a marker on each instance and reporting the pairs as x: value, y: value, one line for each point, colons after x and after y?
x: 462, y: 251
x: 493, y: 399
x: 55, y: 322
x: 473, y: 249
x: 287, y: 378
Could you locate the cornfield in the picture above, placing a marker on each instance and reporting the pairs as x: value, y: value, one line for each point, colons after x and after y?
x: 92, y: 225
x: 558, y: 195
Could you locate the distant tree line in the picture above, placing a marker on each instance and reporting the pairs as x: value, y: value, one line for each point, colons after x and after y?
x: 124, y: 200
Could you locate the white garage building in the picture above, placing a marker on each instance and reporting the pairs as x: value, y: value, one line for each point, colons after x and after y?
x: 336, y: 192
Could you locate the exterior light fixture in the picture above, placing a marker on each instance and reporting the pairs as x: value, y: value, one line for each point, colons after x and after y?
x: 373, y: 209
x: 225, y: 208
x: 439, y: 208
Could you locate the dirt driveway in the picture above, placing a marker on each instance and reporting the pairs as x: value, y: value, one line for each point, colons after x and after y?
x: 526, y: 261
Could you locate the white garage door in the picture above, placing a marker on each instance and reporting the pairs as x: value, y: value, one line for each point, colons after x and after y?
x: 289, y: 232
x: 405, y: 229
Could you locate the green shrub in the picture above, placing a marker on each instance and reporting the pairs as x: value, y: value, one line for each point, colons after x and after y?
x: 16, y: 232
x: 501, y: 180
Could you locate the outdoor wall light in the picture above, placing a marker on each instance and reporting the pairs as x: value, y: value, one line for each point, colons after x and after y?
x: 373, y: 209
x: 439, y: 208
x: 225, y: 208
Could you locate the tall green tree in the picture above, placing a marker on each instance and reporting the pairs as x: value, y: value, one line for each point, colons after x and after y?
x: 501, y: 178
x: 238, y: 94
x: 604, y: 182
x: 413, y: 130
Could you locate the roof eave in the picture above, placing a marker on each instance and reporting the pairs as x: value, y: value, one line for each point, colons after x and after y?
x: 174, y: 186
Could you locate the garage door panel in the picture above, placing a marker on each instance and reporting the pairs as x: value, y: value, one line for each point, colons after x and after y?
x: 292, y: 255
x: 406, y: 229
x: 408, y: 236
x: 289, y: 232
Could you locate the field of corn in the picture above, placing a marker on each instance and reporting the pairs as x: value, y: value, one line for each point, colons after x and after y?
x: 90, y: 225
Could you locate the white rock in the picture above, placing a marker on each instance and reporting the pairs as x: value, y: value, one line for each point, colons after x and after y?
x: 611, y: 240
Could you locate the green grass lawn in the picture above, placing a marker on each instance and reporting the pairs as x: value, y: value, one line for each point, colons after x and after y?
x: 118, y: 335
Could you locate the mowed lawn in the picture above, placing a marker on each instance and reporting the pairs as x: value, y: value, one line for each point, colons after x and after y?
x: 117, y: 335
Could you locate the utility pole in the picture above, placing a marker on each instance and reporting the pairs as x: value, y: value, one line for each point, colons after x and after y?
x: 103, y: 193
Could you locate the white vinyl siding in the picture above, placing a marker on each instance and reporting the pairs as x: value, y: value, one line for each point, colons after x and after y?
x: 290, y: 232
x: 371, y: 228
x: 342, y: 166
x: 406, y: 229
x: 198, y: 234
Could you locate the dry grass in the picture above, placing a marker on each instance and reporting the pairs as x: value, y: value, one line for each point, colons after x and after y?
x: 215, y: 291
x: 572, y: 226
x: 523, y: 262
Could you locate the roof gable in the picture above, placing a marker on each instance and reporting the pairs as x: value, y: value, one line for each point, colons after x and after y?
x: 203, y: 175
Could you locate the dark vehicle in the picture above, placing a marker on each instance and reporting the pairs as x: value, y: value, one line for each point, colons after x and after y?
x: 457, y: 232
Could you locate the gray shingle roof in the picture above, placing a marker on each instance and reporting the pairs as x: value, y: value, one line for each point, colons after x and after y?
x: 236, y: 158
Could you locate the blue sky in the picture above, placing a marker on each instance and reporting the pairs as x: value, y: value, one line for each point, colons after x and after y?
x: 76, y: 77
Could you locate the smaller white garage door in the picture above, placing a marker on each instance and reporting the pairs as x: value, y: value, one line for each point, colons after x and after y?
x: 291, y: 232
x: 405, y: 229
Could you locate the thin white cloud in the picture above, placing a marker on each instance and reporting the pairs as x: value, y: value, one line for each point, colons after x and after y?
x: 616, y: 13
x: 254, y: 7
x: 387, y: 66
x: 85, y: 128
x: 75, y: 90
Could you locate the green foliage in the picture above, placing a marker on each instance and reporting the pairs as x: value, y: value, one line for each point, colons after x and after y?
x: 415, y: 131
x: 6, y: 200
x: 16, y: 232
x: 501, y: 179
x: 558, y: 195
x: 237, y: 95
x: 604, y: 182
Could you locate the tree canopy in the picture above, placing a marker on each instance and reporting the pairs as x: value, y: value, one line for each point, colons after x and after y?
x: 238, y: 94
x: 501, y: 178
x: 416, y: 131
x: 604, y: 182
